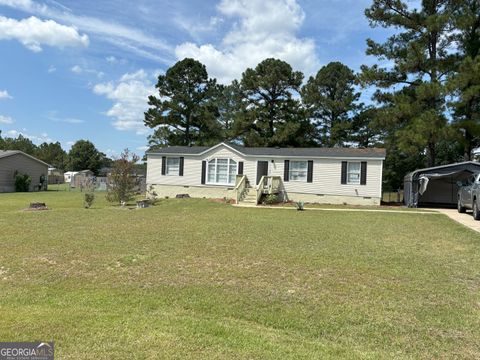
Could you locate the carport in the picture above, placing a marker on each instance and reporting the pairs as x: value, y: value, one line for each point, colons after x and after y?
x: 436, y: 186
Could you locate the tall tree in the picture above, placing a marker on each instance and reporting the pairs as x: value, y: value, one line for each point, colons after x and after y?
x: 21, y: 143
x: 364, y: 131
x: 183, y: 113
x: 465, y: 83
x: 330, y: 99
x: 230, y: 106
x: 273, y: 115
x: 420, y: 59
x: 84, y: 156
x: 53, y: 154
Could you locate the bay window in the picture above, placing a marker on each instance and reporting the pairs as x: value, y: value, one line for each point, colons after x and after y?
x: 221, y: 171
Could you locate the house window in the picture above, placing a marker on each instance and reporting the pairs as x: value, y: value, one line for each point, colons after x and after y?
x: 353, y: 173
x: 221, y: 171
x: 298, y: 171
x: 173, y: 166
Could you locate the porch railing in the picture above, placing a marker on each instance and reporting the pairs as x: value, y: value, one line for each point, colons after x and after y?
x: 240, y: 187
x: 269, y: 185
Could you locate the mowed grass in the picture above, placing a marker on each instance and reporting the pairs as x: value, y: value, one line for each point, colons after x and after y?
x: 194, y: 279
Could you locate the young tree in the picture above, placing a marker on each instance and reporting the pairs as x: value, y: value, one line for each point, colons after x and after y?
x: 122, y: 180
x: 420, y: 58
x: 183, y: 113
x: 273, y: 115
x: 330, y: 100
x: 84, y: 156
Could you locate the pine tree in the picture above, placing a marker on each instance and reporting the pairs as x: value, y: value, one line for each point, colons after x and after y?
x: 418, y: 58
x: 184, y: 112
x: 465, y: 83
x: 330, y: 100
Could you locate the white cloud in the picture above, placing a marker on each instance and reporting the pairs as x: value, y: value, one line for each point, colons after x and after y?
x: 38, y: 139
x: 265, y: 28
x: 196, y: 28
x: 125, y: 37
x: 51, y: 69
x: 130, y: 100
x: 142, y: 148
x: 33, y: 33
x: 53, y: 116
x: 6, y: 120
x: 77, y: 69
x: 5, y: 95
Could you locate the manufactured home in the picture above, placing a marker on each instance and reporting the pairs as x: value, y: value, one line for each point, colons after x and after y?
x: 314, y: 175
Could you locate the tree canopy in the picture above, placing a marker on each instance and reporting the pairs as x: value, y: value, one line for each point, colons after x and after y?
x: 411, y: 85
x: 273, y: 115
x: 184, y: 112
x: 84, y: 156
x: 330, y: 100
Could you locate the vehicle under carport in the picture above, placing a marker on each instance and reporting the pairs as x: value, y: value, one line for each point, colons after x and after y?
x: 437, y: 186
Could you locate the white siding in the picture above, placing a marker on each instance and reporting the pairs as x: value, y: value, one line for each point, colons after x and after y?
x: 327, y: 179
x: 326, y: 173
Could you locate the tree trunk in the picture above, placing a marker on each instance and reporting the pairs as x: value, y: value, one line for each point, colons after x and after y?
x: 467, y: 149
x: 431, y: 154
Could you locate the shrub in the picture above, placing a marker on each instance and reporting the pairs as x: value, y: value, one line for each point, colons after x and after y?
x: 300, y: 205
x: 271, y: 199
x: 22, y: 182
x: 89, y: 199
x: 152, y: 195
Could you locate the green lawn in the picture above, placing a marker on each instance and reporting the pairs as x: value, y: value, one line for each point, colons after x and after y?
x: 193, y: 279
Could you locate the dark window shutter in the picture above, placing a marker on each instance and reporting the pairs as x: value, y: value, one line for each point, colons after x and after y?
x: 180, y: 169
x: 344, y: 172
x: 204, y: 170
x: 240, y: 168
x: 164, y: 164
x: 310, y: 171
x: 363, y: 173
x: 286, y: 170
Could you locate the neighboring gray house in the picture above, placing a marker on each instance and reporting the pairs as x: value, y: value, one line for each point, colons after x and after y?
x: 15, y: 160
x: 317, y: 175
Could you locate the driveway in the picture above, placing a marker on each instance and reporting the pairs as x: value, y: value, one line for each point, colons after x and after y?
x: 464, y: 219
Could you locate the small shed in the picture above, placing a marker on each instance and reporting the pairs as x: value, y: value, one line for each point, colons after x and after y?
x: 55, y: 176
x: 437, y: 186
x: 12, y: 161
x: 69, y: 175
x: 81, y: 178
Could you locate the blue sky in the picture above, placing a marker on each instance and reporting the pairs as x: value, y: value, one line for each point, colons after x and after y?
x: 74, y: 70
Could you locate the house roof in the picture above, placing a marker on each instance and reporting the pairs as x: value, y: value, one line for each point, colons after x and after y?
x: 277, y: 152
x: 5, y: 153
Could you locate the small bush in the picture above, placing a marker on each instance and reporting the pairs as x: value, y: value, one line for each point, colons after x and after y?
x: 88, y: 200
x: 271, y: 199
x: 152, y: 196
x: 22, y: 182
x: 300, y: 205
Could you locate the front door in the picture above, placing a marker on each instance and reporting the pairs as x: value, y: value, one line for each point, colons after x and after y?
x: 262, y: 169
